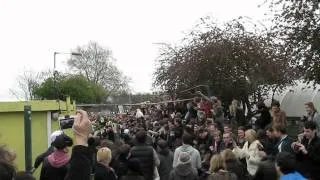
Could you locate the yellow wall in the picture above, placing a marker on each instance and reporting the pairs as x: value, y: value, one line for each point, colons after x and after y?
x: 12, y: 126
x: 12, y: 134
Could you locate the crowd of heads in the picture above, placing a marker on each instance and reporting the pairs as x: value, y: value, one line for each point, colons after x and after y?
x: 228, y: 144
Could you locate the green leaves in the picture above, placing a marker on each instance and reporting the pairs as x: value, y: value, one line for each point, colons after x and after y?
x: 75, y: 86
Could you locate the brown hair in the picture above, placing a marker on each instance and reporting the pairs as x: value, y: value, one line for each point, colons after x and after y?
x: 217, y: 163
x: 242, y: 128
x: 228, y: 155
x: 280, y: 128
x: 311, y: 106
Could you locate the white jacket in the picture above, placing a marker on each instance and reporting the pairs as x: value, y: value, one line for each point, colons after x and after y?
x: 251, y: 153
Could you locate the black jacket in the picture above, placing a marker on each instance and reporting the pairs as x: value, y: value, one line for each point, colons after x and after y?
x: 145, y: 155
x: 266, y: 171
x: 40, y: 158
x: 310, y: 163
x: 269, y: 146
x: 222, y: 146
x: 237, y: 168
x: 285, y: 146
x: 265, y: 118
x: 121, y: 166
x: 166, y: 161
x: 132, y: 176
x: 80, y: 164
x: 104, y: 173
x: 240, y: 117
x: 48, y: 172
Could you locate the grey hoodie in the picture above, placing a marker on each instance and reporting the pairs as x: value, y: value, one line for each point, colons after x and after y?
x: 194, y: 154
x: 184, y: 172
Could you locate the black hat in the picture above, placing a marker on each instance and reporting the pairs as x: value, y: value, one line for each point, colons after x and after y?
x: 62, y: 141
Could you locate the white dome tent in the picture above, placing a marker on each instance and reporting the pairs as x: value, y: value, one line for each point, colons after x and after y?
x: 293, y: 98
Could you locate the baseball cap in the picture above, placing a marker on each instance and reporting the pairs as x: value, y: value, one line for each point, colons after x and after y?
x: 54, y: 135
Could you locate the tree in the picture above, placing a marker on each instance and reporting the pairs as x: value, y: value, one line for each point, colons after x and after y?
x: 296, y: 24
x: 75, y: 86
x: 98, y: 65
x: 27, y: 82
x: 233, y: 61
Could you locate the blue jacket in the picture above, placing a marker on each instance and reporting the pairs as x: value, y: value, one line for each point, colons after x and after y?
x: 293, y: 176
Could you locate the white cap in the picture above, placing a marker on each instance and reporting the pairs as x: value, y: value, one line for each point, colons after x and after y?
x: 55, y: 134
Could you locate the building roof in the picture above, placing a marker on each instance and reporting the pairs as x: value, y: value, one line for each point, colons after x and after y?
x: 44, y: 105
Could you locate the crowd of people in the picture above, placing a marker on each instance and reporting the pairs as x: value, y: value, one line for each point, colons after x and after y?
x: 199, y: 140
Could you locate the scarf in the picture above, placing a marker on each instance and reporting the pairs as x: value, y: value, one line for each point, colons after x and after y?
x: 58, y: 159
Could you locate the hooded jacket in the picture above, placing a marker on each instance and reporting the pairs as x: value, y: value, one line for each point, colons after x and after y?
x: 194, y: 154
x: 55, y: 166
x: 184, y: 172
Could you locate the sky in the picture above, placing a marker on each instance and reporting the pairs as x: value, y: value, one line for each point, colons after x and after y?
x: 31, y: 31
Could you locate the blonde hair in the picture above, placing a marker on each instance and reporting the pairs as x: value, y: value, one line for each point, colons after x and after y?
x: 217, y: 163
x: 251, y: 135
x: 104, y: 155
x: 227, y: 155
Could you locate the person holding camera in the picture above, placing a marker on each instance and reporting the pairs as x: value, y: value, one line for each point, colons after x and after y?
x: 80, y: 163
x: 308, y: 151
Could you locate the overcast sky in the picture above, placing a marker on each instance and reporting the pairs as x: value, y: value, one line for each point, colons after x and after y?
x: 31, y: 31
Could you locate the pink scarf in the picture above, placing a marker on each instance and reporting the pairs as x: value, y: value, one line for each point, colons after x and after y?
x: 58, y: 159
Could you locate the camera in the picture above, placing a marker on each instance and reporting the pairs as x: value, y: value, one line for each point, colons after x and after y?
x: 66, y: 123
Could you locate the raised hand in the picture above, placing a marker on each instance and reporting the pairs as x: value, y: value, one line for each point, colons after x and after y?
x: 82, y: 128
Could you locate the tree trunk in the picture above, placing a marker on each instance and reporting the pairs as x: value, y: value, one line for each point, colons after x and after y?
x: 273, y: 93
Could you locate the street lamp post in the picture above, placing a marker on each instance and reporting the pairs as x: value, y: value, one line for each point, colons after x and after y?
x: 55, y: 54
x: 55, y: 71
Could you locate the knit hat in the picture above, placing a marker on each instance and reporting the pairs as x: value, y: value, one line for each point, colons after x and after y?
x: 184, y: 158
